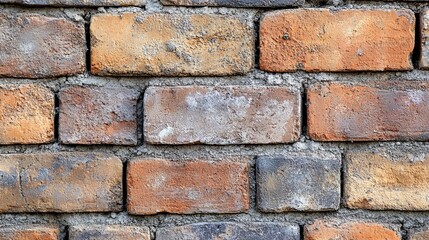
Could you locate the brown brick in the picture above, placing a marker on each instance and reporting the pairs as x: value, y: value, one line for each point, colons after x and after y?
x: 30, y: 232
x: 112, y: 232
x: 419, y: 234
x: 321, y: 230
x: 34, y: 46
x: 374, y: 111
x: 98, y: 115
x: 77, y: 3
x: 170, y: 45
x: 387, y: 179
x: 26, y: 114
x: 221, y: 115
x: 342, y: 40
x: 60, y: 182
x: 424, y: 40
x: 156, y: 186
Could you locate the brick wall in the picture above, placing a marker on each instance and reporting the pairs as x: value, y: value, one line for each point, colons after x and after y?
x: 214, y: 119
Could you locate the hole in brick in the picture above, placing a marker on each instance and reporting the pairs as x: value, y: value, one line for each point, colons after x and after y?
x: 417, y: 47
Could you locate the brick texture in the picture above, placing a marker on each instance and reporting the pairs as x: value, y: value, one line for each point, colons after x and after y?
x: 156, y: 186
x: 424, y: 40
x: 60, y: 182
x: 419, y: 234
x: 363, y: 112
x: 34, y: 46
x: 344, y: 40
x: 30, y: 232
x: 98, y: 115
x: 77, y: 3
x: 26, y: 114
x: 221, y: 115
x: 231, y: 231
x: 111, y: 232
x: 351, y: 230
x: 170, y: 45
x: 229, y: 3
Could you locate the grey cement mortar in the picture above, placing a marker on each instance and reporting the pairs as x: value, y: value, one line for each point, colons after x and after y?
x: 295, y: 81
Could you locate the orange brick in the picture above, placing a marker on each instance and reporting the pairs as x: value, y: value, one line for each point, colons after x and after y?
x: 27, y: 114
x: 30, y: 232
x: 156, y: 186
x: 343, y: 40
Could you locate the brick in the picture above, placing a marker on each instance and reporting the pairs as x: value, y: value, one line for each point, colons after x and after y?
x: 383, y: 179
x: 321, y: 230
x: 298, y: 184
x: 30, y: 232
x: 34, y: 46
x: 77, y: 3
x: 229, y: 3
x: 112, y: 232
x: 60, y: 182
x: 156, y: 186
x: 419, y: 234
x: 170, y: 45
x: 342, y: 40
x: 26, y: 114
x: 424, y: 40
x: 231, y: 231
x: 98, y: 115
x: 394, y: 110
x: 221, y: 115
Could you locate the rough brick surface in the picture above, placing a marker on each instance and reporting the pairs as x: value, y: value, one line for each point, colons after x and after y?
x: 229, y: 3
x: 343, y: 40
x: 373, y: 111
x: 424, y: 40
x: 351, y: 230
x: 155, y: 186
x: 34, y: 46
x: 298, y: 184
x: 60, y: 182
x: 112, y: 232
x: 383, y: 180
x: 419, y: 234
x: 98, y: 115
x: 30, y: 232
x: 221, y: 115
x: 230, y: 231
x: 26, y: 114
x: 76, y: 3
x: 170, y: 45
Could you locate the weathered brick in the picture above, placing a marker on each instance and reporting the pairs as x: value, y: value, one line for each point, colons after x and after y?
x: 98, y: 115
x: 298, y: 183
x: 170, y: 45
x: 77, y: 3
x: 26, y: 114
x: 231, y: 231
x: 155, y: 186
x: 34, y: 46
x: 393, y: 110
x: 112, y: 232
x: 321, y: 230
x: 424, y: 40
x: 385, y: 179
x: 30, y: 232
x: 419, y: 234
x: 229, y: 3
x: 343, y: 40
x: 60, y: 182
x: 221, y: 115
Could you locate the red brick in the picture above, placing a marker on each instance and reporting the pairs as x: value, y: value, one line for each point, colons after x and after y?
x: 342, y: 40
x: 27, y: 114
x: 35, y: 46
x: 372, y: 111
x: 98, y: 115
x: 156, y: 186
x: 30, y: 232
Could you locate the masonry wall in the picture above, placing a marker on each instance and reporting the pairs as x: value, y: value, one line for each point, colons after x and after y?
x: 189, y: 119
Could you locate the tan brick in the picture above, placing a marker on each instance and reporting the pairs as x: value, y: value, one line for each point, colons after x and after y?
x: 342, y: 40
x: 34, y: 46
x: 30, y: 232
x: 111, y: 232
x: 156, y: 186
x: 170, y: 45
x: 321, y: 230
x: 98, y: 115
x: 60, y: 182
x: 26, y: 114
x: 384, y: 180
x: 77, y: 3
x: 390, y: 110
x: 221, y: 115
x: 419, y: 234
